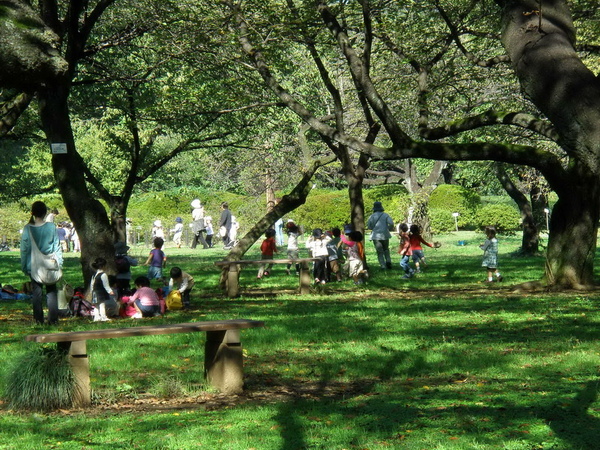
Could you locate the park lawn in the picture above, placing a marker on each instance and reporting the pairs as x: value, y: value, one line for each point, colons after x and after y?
x: 441, y: 361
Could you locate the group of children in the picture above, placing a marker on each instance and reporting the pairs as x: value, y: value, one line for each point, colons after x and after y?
x: 411, y: 245
x: 337, y: 253
x: 334, y: 253
x: 109, y: 294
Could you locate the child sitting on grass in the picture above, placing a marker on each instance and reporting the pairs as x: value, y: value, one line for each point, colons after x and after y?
x: 145, y: 300
x: 103, y: 295
x: 182, y: 282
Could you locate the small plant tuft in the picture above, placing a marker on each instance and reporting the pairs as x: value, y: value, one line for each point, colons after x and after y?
x: 41, y: 380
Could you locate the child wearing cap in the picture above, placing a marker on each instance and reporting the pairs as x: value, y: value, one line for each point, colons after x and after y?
x: 177, y: 231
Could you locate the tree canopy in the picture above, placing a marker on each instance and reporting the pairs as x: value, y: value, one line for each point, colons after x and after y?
x: 444, y: 80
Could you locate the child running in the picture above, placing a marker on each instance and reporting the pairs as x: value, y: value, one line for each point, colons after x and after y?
x: 490, y: 255
x: 267, y: 248
x: 405, y: 251
x: 416, y: 240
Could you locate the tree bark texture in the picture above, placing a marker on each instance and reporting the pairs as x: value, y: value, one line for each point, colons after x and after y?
x: 553, y: 76
x: 530, y: 240
x: 29, y: 56
x: 88, y: 215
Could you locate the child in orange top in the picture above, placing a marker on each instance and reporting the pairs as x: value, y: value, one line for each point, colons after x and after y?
x: 267, y: 248
x: 405, y: 251
x: 415, y: 246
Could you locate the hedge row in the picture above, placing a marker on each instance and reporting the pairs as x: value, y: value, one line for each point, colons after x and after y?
x: 323, y: 209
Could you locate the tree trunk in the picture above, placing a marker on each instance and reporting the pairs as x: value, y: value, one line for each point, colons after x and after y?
x: 551, y: 73
x: 88, y: 215
x: 118, y: 211
x: 531, y: 236
x: 573, y: 235
x: 357, y: 202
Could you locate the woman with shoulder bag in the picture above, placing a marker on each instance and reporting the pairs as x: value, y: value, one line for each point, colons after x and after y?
x: 40, y: 241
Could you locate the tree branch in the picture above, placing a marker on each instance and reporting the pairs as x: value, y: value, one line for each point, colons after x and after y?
x: 488, y: 118
x: 11, y: 110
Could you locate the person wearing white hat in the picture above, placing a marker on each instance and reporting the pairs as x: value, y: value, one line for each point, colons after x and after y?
x: 157, y: 230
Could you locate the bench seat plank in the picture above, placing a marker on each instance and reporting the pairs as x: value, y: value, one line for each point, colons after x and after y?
x: 215, y: 325
x: 231, y: 278
x: 258, y: 262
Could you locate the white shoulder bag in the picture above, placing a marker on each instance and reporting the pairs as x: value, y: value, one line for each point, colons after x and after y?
x: 44, y: 268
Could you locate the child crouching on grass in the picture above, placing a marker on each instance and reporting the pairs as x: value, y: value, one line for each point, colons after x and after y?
x: 182, y: 282
x: 356, y: 254
x: 145, y: 300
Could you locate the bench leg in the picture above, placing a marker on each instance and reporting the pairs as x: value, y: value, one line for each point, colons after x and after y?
x: 79, y: 362
x: 224, y: 361
x: 305, y: 278
x: 233, y: 281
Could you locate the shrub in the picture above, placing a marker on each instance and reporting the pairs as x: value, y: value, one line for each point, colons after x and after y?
x: 454, y: 198
x: 41, y: 380
x: 323, y: 210
x: 447, y: 199
x: 394, y: 197
x: 504, y: 217
x: 441, y: 221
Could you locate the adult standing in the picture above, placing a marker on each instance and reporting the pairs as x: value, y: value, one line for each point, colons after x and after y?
x: 61, y: 231
x: 44, y: 236
x: 279, y: 232
x: 51, y: 215
x: 198, y: 225
x: 225, y: 225
x: 380, y: 224
x: 123, y: 264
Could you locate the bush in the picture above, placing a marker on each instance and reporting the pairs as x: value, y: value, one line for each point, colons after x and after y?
x: 504, y: 217
x: 441, y: 221
x: 394, y: 197
x: 41, y: 380
x: 323, y: 210
x: 447, y: 199
x: 455, y: 198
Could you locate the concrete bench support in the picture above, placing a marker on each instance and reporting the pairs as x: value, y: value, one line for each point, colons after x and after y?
x: 223, y: 357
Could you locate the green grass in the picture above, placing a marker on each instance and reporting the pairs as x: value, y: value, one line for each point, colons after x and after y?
x: 442, y: 361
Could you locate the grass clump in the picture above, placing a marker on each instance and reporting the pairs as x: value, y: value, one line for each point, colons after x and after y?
x: 41, y: 380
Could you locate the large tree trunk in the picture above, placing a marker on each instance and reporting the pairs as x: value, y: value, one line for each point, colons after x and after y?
x: 88, y: 215
x: 541, y: 48
x: 573, y: 235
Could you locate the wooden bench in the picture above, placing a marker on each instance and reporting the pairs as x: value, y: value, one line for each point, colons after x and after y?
x: 223, y: 358
x: 232, y: 283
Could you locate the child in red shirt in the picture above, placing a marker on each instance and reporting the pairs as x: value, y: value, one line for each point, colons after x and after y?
x: 267, y: 248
